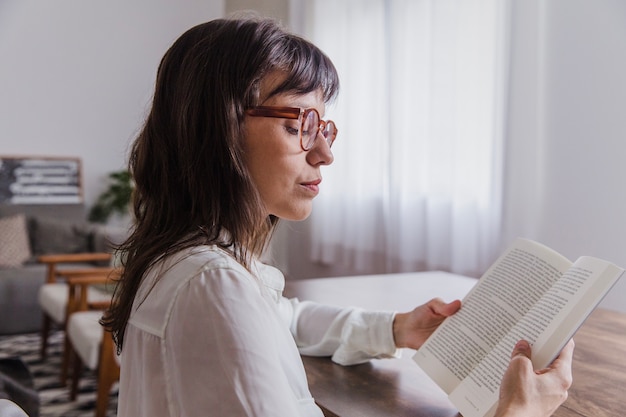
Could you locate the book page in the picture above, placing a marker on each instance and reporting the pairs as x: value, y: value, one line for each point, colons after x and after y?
x: 503, y: 295
x: 549, y: 324
x: 586, y: 283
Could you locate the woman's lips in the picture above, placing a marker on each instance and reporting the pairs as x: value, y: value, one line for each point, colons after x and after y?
x: 312, y: 185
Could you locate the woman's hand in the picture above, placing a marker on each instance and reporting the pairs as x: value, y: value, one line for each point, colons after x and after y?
x: 413, y: 328
x: 526, y: 392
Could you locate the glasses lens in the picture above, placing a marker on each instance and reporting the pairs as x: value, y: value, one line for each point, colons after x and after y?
x: 310, y: 127
x: 330, y: 133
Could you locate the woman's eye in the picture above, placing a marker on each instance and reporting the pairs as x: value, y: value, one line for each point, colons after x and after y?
x: 292, y: 130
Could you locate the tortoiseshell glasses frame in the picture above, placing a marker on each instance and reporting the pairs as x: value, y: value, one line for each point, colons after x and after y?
x: 310, y: 123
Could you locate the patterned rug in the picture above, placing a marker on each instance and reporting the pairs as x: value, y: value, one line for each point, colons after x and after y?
x: 55, y: 399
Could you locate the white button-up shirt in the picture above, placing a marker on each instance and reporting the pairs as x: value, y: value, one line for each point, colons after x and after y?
x: 208, y: 338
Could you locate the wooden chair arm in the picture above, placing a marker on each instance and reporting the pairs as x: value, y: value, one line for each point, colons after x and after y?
x: 79, y: 282
x: 74, y: 257
x: 52, y: 260
x: 101, y: 274
x: 99, y: 305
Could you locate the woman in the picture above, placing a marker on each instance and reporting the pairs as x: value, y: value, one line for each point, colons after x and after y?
x: 234, y: 141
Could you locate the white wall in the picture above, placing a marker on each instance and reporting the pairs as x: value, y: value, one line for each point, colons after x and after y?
x: 276, y: 9
x: 566, y: 168
x: 76, y: 76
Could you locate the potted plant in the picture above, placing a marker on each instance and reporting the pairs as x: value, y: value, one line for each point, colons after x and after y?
x: 115, y: 199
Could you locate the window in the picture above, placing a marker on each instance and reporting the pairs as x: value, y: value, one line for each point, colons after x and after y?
x: 416, y: 181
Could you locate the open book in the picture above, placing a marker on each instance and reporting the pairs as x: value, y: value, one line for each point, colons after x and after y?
x: 531, y: 292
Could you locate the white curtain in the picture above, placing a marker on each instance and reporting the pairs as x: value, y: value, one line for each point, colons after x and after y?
x: 417, y: 178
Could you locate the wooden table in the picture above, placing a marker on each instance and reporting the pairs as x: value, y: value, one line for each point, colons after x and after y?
x: 386, y: 387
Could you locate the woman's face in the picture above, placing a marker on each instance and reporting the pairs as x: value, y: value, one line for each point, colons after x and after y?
x: 287, y: 177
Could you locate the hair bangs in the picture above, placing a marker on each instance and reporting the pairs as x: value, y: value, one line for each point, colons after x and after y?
x: 308, y: 69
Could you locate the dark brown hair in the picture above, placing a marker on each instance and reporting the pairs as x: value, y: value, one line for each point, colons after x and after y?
x: 191, y: 184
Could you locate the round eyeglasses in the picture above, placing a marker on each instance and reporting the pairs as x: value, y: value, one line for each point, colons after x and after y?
x: 310, y: 123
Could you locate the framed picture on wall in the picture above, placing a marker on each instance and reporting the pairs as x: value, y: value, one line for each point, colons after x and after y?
x: 40, y: 180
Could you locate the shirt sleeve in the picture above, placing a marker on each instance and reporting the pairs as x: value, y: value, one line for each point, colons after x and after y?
x: 349, y: 335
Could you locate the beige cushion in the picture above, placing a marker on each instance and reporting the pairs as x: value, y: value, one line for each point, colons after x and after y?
x: 53, y: 299
x: 14, y: 245
x: 85, y: 334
